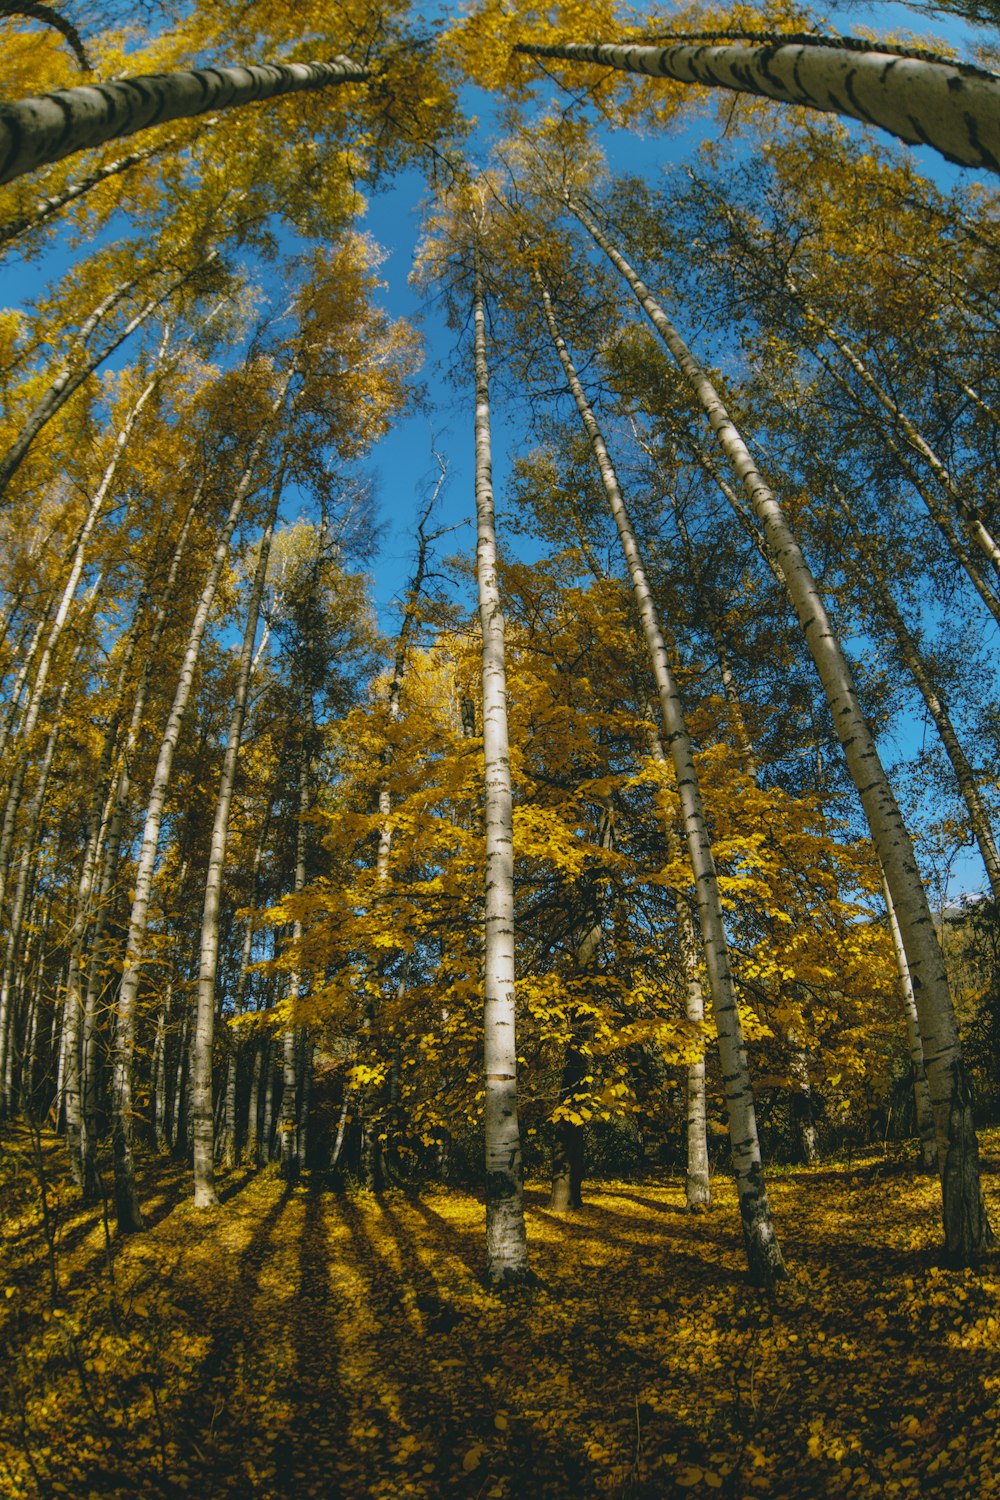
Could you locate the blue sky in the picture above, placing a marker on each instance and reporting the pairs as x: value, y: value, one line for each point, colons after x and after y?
x: 404, y: 461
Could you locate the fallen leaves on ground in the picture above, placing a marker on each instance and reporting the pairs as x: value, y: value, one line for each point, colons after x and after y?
x: 295, y: 1342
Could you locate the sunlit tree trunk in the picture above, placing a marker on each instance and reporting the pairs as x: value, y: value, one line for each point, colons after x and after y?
x: 951, y: 106
x: 762, y: 1251
x: 975, y: 526
x: 204, y: 1026
x: 506, y: 1239
x: 73, y: 374
x: 966, y: 1227
x: 937, y: 512
x: 51, y: 126
x: 568, y: 1148
x: 129, y: 1216
x: 57, y: 625
x: 288, y: 1128
x: 697, y: 1182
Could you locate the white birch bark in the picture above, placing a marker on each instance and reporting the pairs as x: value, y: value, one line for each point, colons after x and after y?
x: 763, y: 1254
x: 921, y: 1093
x: 506, y: 1238
x: 937, y: 512
x: 966, y: 1227
x: 72, y: 376
x: 129, y: 1216
x: 46, y: 208
x: 204, y: 1025
x: 977, y: 530
x: 873, y: 576
x: 58, y: 622
x: 697, y: 1180
x: 288, y: 1125
x: 52, y: 126
x: 951, y: 106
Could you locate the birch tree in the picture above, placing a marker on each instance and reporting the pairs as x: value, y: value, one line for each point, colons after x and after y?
x: 966, y: 1227
x: 760, y: 1242
x: 923, y: 100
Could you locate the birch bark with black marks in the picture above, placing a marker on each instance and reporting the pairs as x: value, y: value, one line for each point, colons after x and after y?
x: 204, y: 1026
x: 951, y: 106
x: 47, y: 208
x: 52, y: 126
x: 871, y: 575
x: 506, y: 1238
x: 127, y: 1204
x: 764, y: 1260
x: 58, y: 621
x: 697, y: 1179
x: 923, y: 1113
x: 967, y: 1230
x: 72, y: 375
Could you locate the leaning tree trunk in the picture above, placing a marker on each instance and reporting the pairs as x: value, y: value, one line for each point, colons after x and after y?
x: 204, y: 1025
x: 967, y: 1229
x: 58, y: 622
x: 951, y: 106
x: 975, y: 526
x: 921, y: 1094
x: 47, y: 128
x: 937, y: 512
x: 872, y: 576
x: 506, y: 1238
x: 763, y: 1254
x: 72, y: 375
x: 129, y: 1216
x: 47, y: 208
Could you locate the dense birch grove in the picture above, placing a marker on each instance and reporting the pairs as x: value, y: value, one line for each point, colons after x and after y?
x: 628, y: 848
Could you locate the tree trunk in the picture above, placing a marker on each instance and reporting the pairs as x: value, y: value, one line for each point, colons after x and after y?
x: 46, y: 208
x: 872, y: 576
x: 967, y: 1230
x: 697, y: 1181
x: 763, y: 1254
x: 923, y: 1112
x: 59, y: 619
x: 51, y: 126
x: 506, y: 1238
x: 204, y: 1032
x: 129, y: 1216
x: 72, y: 376
x: 953, y: 107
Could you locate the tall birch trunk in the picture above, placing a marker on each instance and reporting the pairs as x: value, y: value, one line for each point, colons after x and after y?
x: 697, y: 1181
x: 51, y: 126
x: 937, y: 512
x: 762, y: 1251
x: 57, y: 625
x: 129, y: 1216
x: 46, y: 208
x: 951, y: 106
x: 288, y: 1127
x: 873, y: 576
x: 72, y: 375
x: 967, y: 1229
x: 506, y: 1238
x: 975, y: 526
x: 923, y: 1112
x: 204, y: 1026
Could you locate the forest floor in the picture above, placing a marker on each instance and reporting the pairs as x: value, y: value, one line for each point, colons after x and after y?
x: 296, y: 1342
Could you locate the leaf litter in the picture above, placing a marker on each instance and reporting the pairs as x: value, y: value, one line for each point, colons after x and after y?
x: 298, y: 1342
